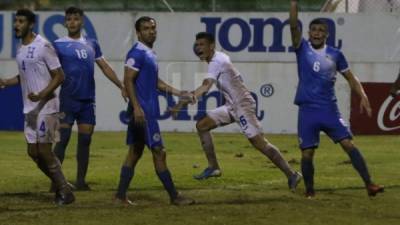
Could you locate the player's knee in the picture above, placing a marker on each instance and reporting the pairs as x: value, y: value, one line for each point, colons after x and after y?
x: 202, y: 126
x: 65, y: 134
x: 33, y: 153
x: 347, y: 145
x: 158, y: 153
x: 307, y: 154
x: 84, y: 139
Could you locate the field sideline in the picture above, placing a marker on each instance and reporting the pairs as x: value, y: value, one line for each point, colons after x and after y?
x: 251, y: 190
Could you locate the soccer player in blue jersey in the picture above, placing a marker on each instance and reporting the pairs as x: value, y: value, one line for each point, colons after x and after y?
x: 318, y: 110
x: 142, y: 84
x: 77, y: 55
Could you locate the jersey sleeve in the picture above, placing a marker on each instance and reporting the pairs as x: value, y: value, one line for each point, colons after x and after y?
x: 97, y: 50
x: 134, y: 60
x: 50, y: 57
x: 341, y: 64
x: 213, y: 70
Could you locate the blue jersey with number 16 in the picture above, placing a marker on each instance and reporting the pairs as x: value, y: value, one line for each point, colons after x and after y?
x: 77, y: 57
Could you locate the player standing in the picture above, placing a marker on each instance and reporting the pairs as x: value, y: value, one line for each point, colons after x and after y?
x: 142, y: 85
x: 77, y: 96
x: 318, y: 111
x: 40, y: 74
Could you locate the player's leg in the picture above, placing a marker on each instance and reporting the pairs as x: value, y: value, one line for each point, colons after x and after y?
x: 204, y: 126
x: 359, y: 164
x: 154, y: 142
x: 273, y: 153
x: 215, y: 118
x: 163, y: 173
x: 63, y: 190
x: 308, y: 127
x: 40, y: 150
x: 67, y: 109
x: 307, y: 169
x: 86, y: 121
x: 338, y: 131
x: 128, y: 171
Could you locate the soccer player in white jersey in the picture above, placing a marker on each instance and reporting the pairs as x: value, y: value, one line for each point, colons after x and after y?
x: 39, y: 75
x: 239, y: 107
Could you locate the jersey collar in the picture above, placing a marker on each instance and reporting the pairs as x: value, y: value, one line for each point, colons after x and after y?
x: 319, y: 51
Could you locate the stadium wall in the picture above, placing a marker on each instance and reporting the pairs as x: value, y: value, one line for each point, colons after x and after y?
x: 258, y: 43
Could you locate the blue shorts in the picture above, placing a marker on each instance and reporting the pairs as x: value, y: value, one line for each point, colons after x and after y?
x: 313, y: 120
x: 83, y: 111
x: 148, y: 134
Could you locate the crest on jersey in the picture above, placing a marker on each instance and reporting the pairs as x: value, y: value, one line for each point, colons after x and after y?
x: 130, y: 62
x: 156, y: 137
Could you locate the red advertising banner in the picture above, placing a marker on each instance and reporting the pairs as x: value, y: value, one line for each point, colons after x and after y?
x: 385, y: 111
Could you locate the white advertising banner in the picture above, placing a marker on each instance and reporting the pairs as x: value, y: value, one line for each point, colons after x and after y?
x: 259, y: 46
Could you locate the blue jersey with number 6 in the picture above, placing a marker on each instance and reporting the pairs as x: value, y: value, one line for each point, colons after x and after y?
x: 77, y: 57
x: 317, y: 75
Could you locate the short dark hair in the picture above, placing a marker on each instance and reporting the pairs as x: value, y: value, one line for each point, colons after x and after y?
x: 74, y: 10
x: 141, y: 20
x: 318, y: 21
x: 30, y: 16
x: 205, y: 35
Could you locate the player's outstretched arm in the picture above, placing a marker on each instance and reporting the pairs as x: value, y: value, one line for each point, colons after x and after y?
x: 355, y: 85
x: 130, y: 76
x: 168, y: 89
x: 204, y: 88
x: 9, y: 82
x: 57, y: 77
x: 111, y: 75
x: 395, y: 87
x: 294, y: 26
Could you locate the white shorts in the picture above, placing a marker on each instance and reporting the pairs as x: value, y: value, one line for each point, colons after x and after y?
x: 42, y: 128
x: 244, y: 115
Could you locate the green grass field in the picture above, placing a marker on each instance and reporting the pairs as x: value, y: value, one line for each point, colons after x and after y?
x: 251, y: 190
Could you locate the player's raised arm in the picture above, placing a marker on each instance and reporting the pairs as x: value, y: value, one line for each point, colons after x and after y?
x: 396, y: 86
x: 355, y: 85
x: 9, y: 82
x: 130, y: 76
x: 294, y: 26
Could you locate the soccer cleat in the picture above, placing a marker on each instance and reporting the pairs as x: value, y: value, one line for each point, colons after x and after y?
x: 294, y: 180
x: 53, y: 187
x: 374, y: 189
x: 310, y: 194
x: 181, y: 200
x: 64, y: 198
x: 207, y: 173
x: 82, y: 187
x: 123, y: 201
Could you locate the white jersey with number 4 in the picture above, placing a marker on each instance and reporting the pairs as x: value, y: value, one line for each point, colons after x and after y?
x: 228, y: 80
x: 34, y: 62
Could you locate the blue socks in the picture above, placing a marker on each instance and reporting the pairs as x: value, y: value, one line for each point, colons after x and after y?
x: 82, y: 156
x: 61, y: 146
x: 307, y: 168
x: 359, y: 164
x: 166, y: 180
x: 126, y: 176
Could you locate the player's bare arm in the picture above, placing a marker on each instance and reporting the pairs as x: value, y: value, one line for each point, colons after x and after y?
x: 9, y: 82
x: 355, y: 85
x: 111, y: 75
x: 204, y: 88
x: 57, y: 77
x: 168, y: 89
x: 395, y: 87
x: 130, y: 76
x: 294, y: 26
